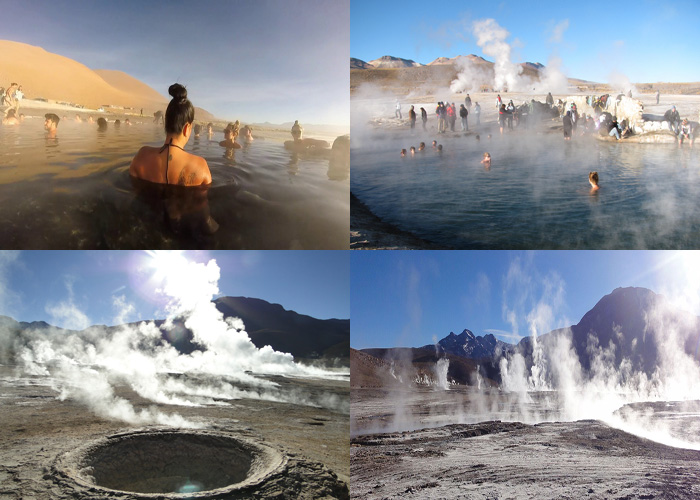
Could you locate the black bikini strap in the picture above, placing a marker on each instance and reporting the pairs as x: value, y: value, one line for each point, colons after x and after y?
x: 167, y: 158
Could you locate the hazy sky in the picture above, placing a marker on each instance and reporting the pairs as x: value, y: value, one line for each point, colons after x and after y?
x: 253, y: 60
x: 35, y: 285
x: 410, y: 299
x: 647, y: 41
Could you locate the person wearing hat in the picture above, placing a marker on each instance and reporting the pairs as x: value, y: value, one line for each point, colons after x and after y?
x: 673, y: 119
x: 686, y: 130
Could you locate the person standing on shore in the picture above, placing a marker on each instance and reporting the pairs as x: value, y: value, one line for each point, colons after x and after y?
x: 657, y: 96
x: 468, y: 102
x: 463, y: 115
x: 452, y: 115
x: 423, y: 116
x: 477, y: 113
x: 397, y: 113
x: 412, y: 117
x: 549, y: 100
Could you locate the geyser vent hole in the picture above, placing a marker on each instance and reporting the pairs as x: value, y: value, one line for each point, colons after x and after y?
x: 175, y: 462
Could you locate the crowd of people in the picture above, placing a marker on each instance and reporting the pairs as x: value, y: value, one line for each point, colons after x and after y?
x: 599, y: 122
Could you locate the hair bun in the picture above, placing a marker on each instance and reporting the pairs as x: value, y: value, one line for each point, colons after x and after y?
x: 178, y: 92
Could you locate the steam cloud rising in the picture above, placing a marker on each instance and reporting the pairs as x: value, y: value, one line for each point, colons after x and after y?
x: 90, y: 365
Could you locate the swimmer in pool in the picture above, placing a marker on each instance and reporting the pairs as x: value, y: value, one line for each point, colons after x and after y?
x: 421, y: 146
x: 210, y: 130
x: 101, y: 124
x: 170, y: 163
x: 77, y: 119
x: 593, y: 180
x: 90, y: 120
x: 486, y: 160
x: 10, y: 118
x: 197, y: 130
x: 117, y: 123
x: 230, y: 134
x: 127, y: 122
x: 403, y: 153
x: 247, y: 133
x: 51, y: 124
x: 434, y: 144
x: 413, y: 150
x: 439, y: 148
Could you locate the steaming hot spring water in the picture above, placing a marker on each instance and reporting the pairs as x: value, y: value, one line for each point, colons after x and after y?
x: 536, y: 193
x: 75, y: 192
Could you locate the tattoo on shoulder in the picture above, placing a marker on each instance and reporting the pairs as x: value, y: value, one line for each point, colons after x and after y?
x: 181, y: 178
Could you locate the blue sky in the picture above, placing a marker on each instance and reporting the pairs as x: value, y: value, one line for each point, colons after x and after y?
x: 33, y: 284
x: 253, y: 60
x: 410, y: 298
x: 646, y: 41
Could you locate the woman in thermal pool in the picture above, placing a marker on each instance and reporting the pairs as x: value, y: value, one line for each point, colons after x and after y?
x: 171, y: 164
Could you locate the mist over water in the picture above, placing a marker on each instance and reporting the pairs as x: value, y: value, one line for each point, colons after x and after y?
x: 93, y: 365
x: 536, y: 193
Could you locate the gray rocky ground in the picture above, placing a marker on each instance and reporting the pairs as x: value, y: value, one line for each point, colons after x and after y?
x: 37, y: 428
x: 495, y: 460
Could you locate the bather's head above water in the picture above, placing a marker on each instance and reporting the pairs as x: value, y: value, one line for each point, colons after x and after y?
x: 179, y: 114
x: 593, y: 180
x: 171, y: 164
x: 51, y: 122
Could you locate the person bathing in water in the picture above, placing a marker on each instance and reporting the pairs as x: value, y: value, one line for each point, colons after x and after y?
x: 170, y: 163
x: 300, y: 144
x: 230, y: 133
x: 247, y: 133
x: 593, y: 180
x: 486, y: 160
x: 51, y: 123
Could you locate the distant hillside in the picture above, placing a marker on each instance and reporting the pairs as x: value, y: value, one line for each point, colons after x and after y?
x: 385, y: 62
x: 403, y: 75
x: 54, y: 77
x: 359, y: 64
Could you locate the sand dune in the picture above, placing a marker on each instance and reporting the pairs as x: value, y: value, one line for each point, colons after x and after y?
x: 57, y: 78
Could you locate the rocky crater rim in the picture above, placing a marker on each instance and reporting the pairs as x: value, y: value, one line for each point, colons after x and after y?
x: 171, y: 464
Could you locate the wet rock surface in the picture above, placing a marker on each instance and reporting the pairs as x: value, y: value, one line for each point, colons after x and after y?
x: 499, y: 460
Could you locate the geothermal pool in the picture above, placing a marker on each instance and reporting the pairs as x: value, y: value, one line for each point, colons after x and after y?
x: 536, y: 193
x: 75, y: 192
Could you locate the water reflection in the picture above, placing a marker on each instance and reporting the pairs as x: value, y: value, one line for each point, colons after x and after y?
x: 536, y: 193
x: 74, y: 191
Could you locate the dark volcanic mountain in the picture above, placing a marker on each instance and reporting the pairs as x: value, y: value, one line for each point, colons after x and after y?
x: 634, y: 321
x: 635, y: 324
x: 288, y: 331
x: 468, y: 345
